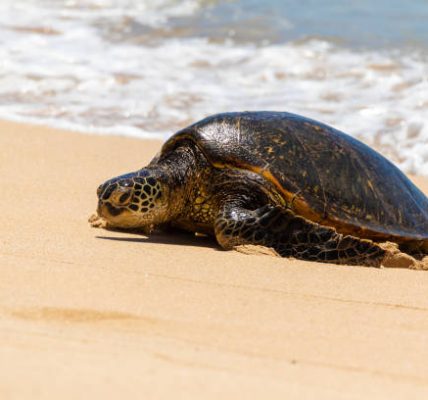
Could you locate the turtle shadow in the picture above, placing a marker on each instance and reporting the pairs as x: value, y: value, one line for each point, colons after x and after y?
x: 170, y: 238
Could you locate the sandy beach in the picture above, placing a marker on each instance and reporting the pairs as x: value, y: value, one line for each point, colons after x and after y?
x: 88, y: 313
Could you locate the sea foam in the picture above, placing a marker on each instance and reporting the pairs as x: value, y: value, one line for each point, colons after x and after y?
x: 66, y: 67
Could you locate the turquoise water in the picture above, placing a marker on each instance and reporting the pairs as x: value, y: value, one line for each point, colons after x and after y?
x: 359, y: 24
x: 148, y: 68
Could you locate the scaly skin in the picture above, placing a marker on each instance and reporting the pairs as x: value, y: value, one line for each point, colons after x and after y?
x: 293, y: 236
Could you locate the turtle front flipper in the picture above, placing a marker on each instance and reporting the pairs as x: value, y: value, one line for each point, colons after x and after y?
x: 293, y: 236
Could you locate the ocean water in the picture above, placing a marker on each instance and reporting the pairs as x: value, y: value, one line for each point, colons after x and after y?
x: 150, y: 67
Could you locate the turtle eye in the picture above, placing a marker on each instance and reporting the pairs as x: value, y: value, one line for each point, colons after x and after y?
x: 121, y: 196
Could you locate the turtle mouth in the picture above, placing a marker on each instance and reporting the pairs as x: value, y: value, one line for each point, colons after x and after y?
x: 107, y: 210
x: 114, y: 211
x: 120, y: 217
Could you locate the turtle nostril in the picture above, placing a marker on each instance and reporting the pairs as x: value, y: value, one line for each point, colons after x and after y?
x: 99, y: 190
x: 106, y: 193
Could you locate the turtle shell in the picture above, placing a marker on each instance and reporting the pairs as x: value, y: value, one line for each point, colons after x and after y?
x: 328, y: 176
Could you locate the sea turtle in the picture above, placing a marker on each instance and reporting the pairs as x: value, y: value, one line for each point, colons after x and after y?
x: 278, y: 180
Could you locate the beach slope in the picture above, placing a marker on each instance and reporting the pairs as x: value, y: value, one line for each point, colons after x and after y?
x: 88, y: 313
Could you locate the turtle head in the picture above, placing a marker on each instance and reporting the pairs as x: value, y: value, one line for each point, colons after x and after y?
x: 135, y: 200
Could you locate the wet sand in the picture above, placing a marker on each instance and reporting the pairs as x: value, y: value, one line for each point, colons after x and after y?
x: 87, y: 313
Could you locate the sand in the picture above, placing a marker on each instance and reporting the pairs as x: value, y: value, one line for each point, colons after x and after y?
x: 88, y: 313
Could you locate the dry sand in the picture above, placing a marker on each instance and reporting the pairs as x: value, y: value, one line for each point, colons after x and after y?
x: 87, y: 313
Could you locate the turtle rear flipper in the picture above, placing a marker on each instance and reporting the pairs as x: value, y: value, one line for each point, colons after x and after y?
x: 293, y: 236
x: 416, y: 248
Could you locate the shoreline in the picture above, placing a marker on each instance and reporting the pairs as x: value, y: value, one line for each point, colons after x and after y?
x: 111, y: 314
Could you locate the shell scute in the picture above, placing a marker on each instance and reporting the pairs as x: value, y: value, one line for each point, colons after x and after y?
x: 330, y: 177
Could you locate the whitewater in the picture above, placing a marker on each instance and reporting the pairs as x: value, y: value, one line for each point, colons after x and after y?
x: 147, y: 69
